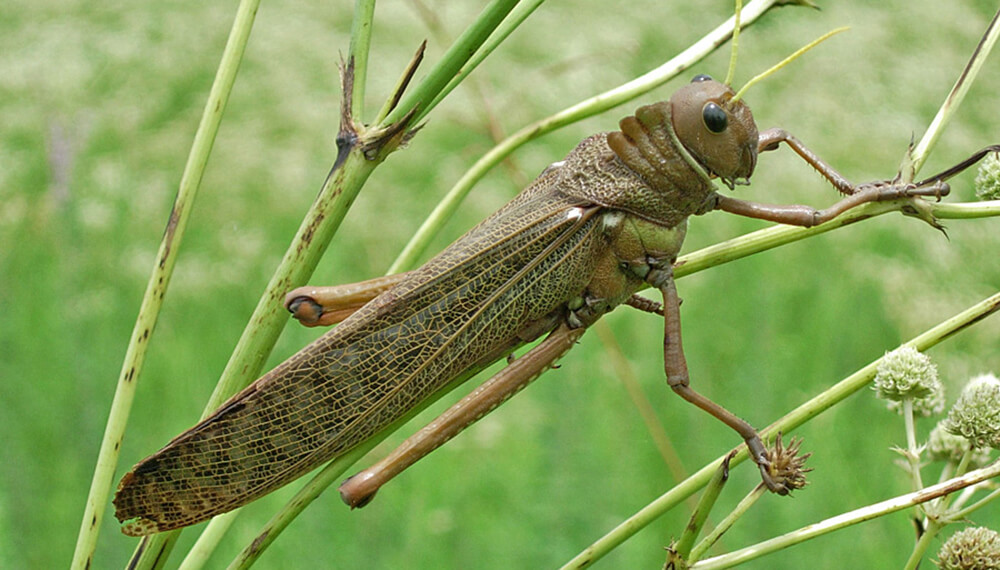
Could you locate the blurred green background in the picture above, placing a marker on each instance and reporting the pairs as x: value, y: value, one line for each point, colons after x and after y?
x: 99, y: 106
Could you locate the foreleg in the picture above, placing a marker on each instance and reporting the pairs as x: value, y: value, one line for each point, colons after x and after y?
x: 807, y: 216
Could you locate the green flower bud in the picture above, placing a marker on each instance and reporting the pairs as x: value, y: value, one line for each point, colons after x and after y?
x: 988, y: 178
x: 970, y: 549
x: 942, y: 445
x: 907, y: 374
x: 976, y: 414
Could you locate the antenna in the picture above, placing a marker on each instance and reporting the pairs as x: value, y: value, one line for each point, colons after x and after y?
x: 787, y: 60
x: 736, y: 38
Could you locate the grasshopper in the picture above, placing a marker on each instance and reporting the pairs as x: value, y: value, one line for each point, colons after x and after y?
x: 589, y: 233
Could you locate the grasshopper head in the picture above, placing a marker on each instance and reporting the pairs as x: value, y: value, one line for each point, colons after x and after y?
x: 718, y: 132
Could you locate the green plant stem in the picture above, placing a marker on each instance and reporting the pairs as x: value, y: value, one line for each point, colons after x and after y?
x: 451, y: 62
x: 727, y: 523
x: 517, y: 16
x: 771, y: 237
x: 777, y: 235
x: 912, y: 451
x: 916, y: 157
x: 847, y: 519
x: 964, y: 513
x: 159, y: 279
x: 967, y: 210
x: 933, y: 527
x: 207, y: 541
x: 361, y: 39
x: 786, y: 424
x: 592, y: 106
x: 963, y: 463
x: 682, y: 548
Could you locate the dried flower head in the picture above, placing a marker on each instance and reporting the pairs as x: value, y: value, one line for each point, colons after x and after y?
x: 988, y: 178
x: 971, y: 549
x: 907, y: 374
x: 942, y: 445
x: 976, y: 414
x: 787, y: 466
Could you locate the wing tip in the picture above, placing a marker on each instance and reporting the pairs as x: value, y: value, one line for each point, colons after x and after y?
x: 141, y: 527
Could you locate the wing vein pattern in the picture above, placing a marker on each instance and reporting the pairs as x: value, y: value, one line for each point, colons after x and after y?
x: 457, y: 314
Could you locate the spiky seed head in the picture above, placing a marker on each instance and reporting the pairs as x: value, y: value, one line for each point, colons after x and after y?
x: 787, y: 467
x: 988, y: 178
x: 976, y: 414
x: 976, y: 548
x: 942, y: 445
x: 907, y: 374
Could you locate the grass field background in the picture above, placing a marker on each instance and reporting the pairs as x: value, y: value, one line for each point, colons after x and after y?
x: 100, y: 103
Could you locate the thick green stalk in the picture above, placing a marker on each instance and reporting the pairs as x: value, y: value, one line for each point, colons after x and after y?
x: 517, y: 16
x: 451, y: 62
x: 159, y: 279
x: 772, y: 237
x: 361, y: 39
x: 912, y: 450
x: 930, y: 533
x: 967, y: 210
x: 778, y: 235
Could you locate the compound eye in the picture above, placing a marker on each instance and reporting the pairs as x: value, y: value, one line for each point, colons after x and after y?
x: 701, y: 77
x: 715, y: 118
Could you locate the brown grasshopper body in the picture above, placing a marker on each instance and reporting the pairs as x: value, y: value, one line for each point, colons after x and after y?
x: 581, y: 239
